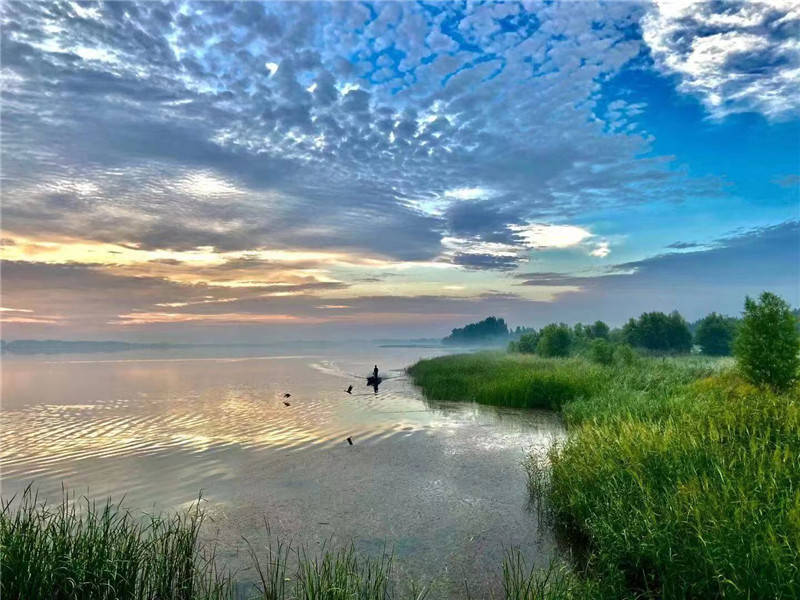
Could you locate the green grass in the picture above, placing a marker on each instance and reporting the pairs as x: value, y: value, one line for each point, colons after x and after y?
x: 677, y: 479
x: 71, y: 552
x: 517, y: 380
x: 91, y: 551
x: 86, y: 551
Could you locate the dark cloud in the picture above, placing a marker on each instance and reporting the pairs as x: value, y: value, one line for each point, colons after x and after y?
x: 683, y: 245
x: 485, y: 261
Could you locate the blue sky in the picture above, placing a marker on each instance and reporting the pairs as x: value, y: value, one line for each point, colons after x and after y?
x: 252, y: 170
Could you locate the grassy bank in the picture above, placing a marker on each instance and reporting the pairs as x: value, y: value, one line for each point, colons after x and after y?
x: 678, y: 479
x: 86, y: 551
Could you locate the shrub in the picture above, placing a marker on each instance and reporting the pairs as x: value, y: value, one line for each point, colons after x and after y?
x: 767, y: 344
x: 624, y: 354
x: 601, y: 351
x: 554, y: 340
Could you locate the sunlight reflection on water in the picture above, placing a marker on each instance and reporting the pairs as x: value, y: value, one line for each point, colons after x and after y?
x: 441, y: 483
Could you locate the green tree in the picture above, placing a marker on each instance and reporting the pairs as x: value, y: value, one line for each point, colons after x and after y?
x: 599, y: 330
x: 657, y: 331
x: 715, y: 334
x: 554, y: 340
x: 601, y: 351
x: 490, y: 329
x: 767, y: 344
x: 527, y: 342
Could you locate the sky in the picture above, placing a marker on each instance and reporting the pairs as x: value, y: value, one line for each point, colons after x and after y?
x: 220, y: 172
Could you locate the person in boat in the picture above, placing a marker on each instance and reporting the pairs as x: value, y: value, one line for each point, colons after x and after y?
x: 375, y: 372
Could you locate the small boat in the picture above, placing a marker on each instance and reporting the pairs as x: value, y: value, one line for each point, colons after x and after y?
x: 372, y: 380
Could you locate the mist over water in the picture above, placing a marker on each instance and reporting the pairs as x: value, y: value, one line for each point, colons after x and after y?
x: 440, y: 484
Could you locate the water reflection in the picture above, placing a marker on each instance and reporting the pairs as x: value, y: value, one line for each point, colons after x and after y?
x: 440, y: 482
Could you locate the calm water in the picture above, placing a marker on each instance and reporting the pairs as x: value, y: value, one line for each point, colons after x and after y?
x: 440, y: 483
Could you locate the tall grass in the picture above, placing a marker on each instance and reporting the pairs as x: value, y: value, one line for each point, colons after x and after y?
x: 102, y: 552
x: 677, y: 479
x: 528, y: 381
x: 555, y: 582
x: 521, y: 381
x: 703, y: 502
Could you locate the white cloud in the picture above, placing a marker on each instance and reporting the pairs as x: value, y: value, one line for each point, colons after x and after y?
x: 272, y: 67
x: 601, y: 250
x: 468, y: 193
x: 744, y: 58
x: 542, y: 236
x: 203, y: 183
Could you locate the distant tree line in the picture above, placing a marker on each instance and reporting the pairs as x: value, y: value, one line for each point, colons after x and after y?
x: 762, y: 340
x: 489, y: 330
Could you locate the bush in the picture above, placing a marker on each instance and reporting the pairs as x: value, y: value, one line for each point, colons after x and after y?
x: 624, y: 354
x: 554, y: 340
x: 601, y: 352
x: 767, y: 344
x: 715, y: 334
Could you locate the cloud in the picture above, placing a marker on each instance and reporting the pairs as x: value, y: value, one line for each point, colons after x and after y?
x: 541, y: 236
x: 287, y: 128
x: 788, y: 181
x: 468, y: 193
x: 696, y: 282
x: 683, y: 245
x: 737, y: 57
x: 601, y: 250
x: 486, y: 261
x: 205, y: 158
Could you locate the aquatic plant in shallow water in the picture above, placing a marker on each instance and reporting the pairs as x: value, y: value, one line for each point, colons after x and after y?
x: 678, y: 478
x: 67, y: 551
x: 88, y: 551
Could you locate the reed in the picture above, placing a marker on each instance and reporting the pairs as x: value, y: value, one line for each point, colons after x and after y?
x: 102, y: 551
x: 678, y: 479
x: 87, y: 551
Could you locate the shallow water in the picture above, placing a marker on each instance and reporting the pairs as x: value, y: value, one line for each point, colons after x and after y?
x: 440, y: 484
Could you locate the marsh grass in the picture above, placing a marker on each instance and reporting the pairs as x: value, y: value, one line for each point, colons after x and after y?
x: 678, y: 479
x: 83, y: 550
x: 702, y: 502
x: 68, y: 551
x: 557, y: 581
x: 332, y: 573
x: 516, y: 380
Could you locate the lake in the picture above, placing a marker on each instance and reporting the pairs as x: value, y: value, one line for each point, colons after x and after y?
x: 440, y: 484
